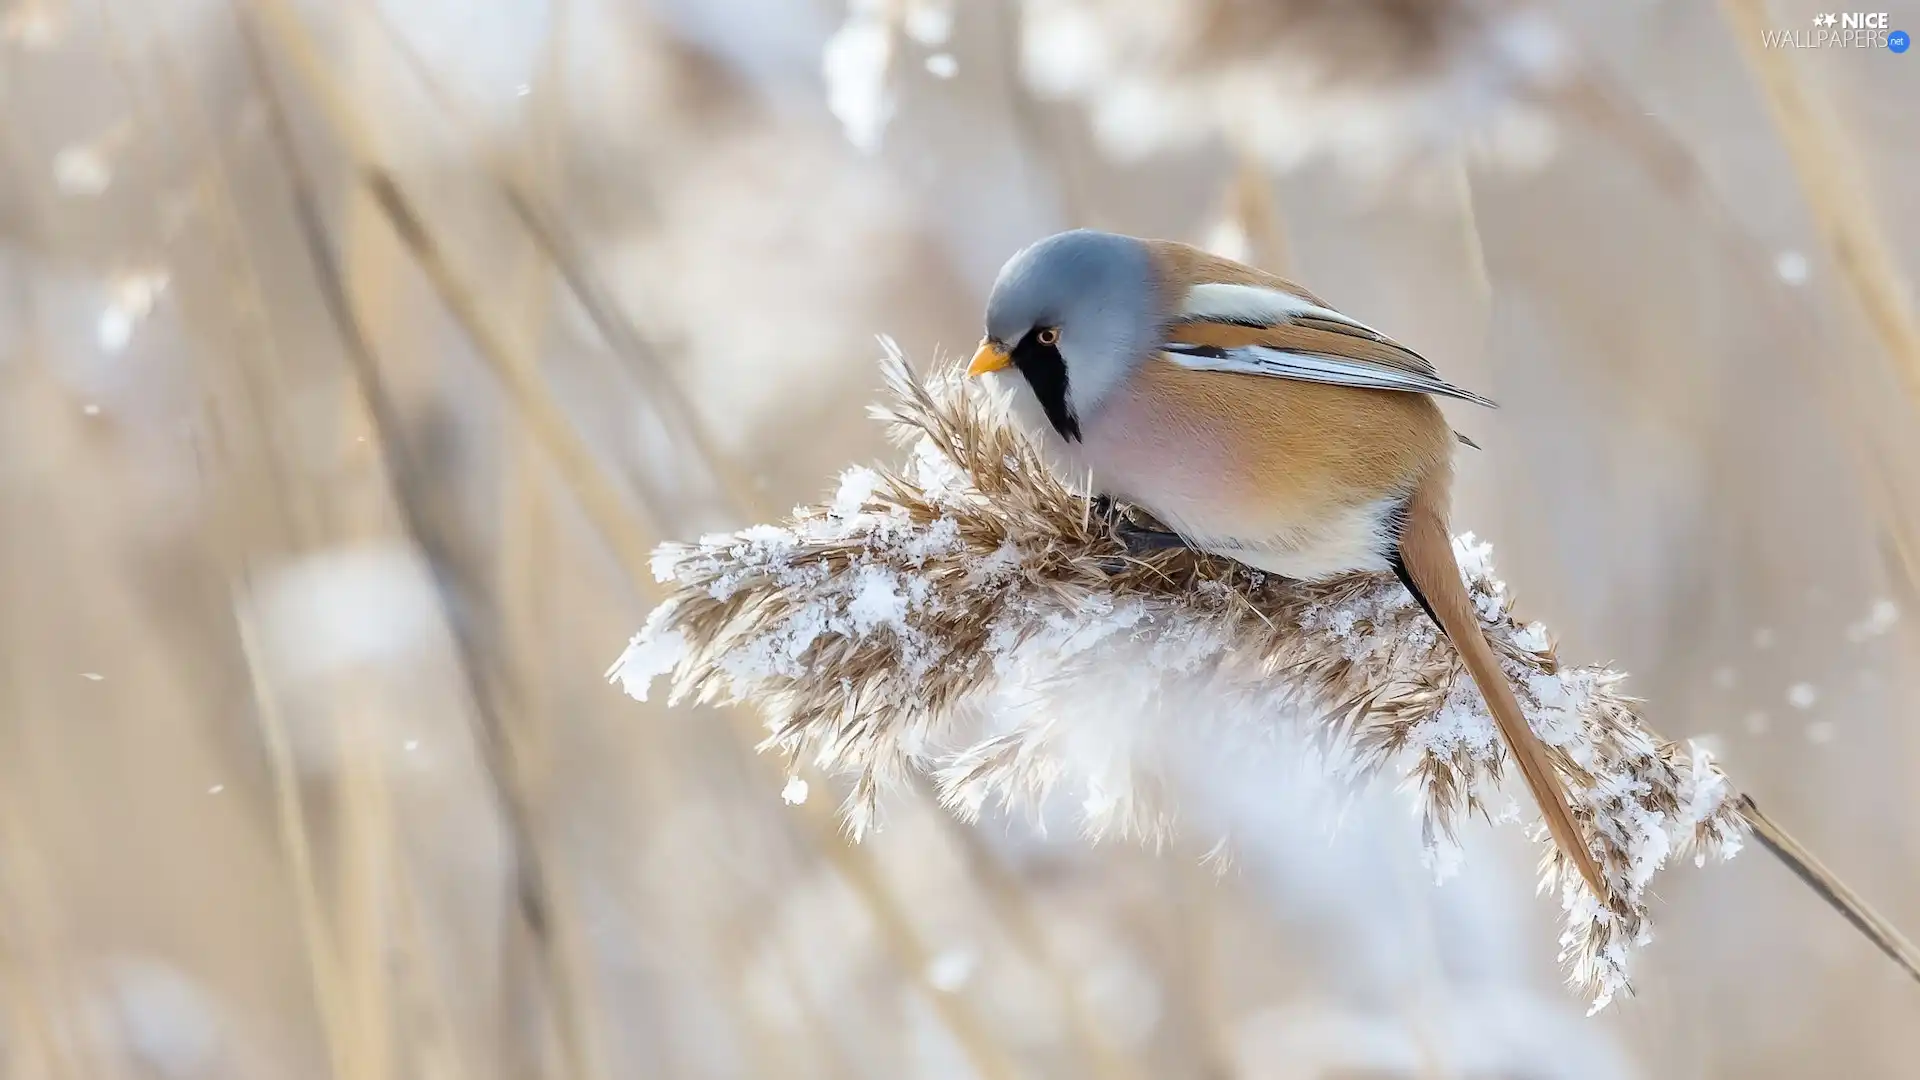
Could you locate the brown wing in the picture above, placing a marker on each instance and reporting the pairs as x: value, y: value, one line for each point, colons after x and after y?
x: 1313, y: 336
x: 1305, y: 354
x: 1268, y: 325
x: 1184, y: 262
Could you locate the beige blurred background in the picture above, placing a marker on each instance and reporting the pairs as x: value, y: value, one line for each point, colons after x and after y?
x: 353, y: 354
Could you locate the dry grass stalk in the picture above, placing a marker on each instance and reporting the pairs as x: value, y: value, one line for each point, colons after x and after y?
x: 641, y: 360
x: 332, y: 996
x: 36, y: 990
x: 968, y: 618
x: 528, y: 540
x: 1844, y: 213
x: 681, y: 421
x: 365, y: 864
x: 434, y: 1046
x: 35, y: 980
x: 546, y: 422
x: 351, y: 980
x: 1829, y: 887
x: 247, y: 397
x: 1472, y: 245
x: 600, y: 499
x: 1829, y: 175
x: 1671, y: 162
x: 1254, y: 206
x: 371, y: 265
x: 348, y: 963
x: 537, y: 891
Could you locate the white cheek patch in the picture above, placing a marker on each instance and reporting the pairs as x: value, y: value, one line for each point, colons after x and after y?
x: 1256, y: 304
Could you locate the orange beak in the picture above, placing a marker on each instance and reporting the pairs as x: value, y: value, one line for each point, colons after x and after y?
x: 991, y: 356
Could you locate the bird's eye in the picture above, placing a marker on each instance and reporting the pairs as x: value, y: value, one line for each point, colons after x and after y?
x: 1049, y: 336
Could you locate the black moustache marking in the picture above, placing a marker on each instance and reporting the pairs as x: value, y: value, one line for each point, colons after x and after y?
x: 1046, y: 372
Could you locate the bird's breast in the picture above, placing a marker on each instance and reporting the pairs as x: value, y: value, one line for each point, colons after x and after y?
x: 1296, y: 478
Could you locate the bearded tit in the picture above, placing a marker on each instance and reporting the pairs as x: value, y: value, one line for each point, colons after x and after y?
x: 1259, y: 424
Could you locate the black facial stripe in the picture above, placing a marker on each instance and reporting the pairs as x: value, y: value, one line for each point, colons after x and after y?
x: 1046, y: 372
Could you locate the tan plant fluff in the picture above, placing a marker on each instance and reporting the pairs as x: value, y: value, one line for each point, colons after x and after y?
x: 965, y: 616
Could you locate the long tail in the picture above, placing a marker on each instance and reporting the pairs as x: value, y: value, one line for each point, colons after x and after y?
x: 1427, y: 567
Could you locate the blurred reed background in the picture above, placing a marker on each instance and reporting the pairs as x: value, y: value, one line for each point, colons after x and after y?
x: 354, y: 354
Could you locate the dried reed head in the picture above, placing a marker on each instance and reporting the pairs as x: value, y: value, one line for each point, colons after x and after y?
x: 1373, y: 84
x: 967, y: 617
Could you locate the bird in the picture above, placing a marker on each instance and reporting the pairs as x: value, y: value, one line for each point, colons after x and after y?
x: 1257, y: 422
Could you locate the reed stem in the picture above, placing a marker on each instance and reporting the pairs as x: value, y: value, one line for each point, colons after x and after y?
x: 1831, y: 178
x: 1829, y: 887
x: 1256, y: 208
x: 537, y: 890
x: 599, y: 498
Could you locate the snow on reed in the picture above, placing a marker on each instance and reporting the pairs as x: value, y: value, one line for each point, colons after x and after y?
x: 967, y: 617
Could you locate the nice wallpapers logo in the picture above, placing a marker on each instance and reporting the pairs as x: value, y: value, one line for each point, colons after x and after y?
x: 1844, y: 30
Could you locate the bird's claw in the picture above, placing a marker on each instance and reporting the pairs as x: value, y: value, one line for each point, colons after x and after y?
x: 1140, y: 540
x: 1125, y: 527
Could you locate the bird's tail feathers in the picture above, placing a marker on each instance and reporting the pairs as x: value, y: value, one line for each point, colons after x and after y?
x: 1428, y: 568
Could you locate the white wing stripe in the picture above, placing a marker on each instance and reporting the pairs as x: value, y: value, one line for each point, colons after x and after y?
x: 1256, y: 304
x: 1313, y: 367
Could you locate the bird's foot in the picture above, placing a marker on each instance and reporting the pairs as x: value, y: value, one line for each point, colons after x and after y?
x: 1141, y: 540
x: 1134, y: 531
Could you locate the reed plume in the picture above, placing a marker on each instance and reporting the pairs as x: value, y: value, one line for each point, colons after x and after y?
x: 968, y: 617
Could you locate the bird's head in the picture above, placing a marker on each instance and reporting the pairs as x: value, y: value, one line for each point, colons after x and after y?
x: 1073, y: 314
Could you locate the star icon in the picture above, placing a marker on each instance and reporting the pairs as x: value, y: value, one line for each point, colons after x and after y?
x: 1830, y: 19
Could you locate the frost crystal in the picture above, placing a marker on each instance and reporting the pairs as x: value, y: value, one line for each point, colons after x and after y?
x: 795, y: 792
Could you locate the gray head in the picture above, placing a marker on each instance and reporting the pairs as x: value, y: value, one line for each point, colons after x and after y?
x: 1075, y: 314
